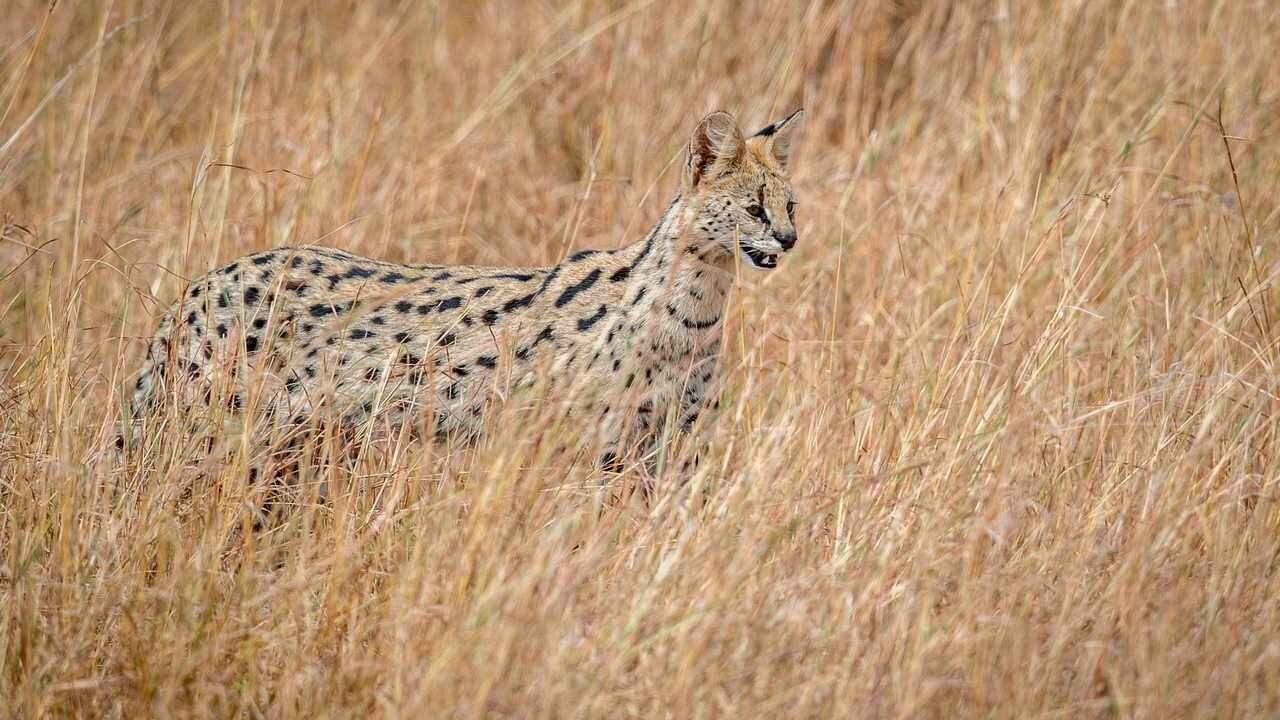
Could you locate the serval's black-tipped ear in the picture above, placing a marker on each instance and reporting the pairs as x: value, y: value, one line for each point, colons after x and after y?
x: 715, y: 144
x: 781, y: 137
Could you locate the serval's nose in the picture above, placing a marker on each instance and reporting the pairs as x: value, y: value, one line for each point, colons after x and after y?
x: 787, y: 240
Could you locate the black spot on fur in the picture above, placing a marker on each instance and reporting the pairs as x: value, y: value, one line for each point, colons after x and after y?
x: 459, y: 370
x: 582, y: 255
x: 518, y: 277
x: 692, y: 324
x: 584, y: 324
x: 442, y: 276
x: 482, y: 291
x: 404, y: 306
x: 392, y: 278
x: 295, y: 263
x: 426, y: 308
x: 527, y: 300
x: 623, y: 273
x: 401, y: 337
x: 450, y: 303
x: 308, y: 327
x: 372, y: 374
x: 378, y: 320
x: 322, y: 309
x: 251, y: 343
x: 419, y: 374
x: 251, y: 294
x: 195, y: 291
x: 264, y: 259
x: 360, y: 334
x: 191, y: 318
x: 358, y: 272
x: 259, y: 323
x: 265, y: 277
x: 487, y: 361
x: 223, y: 299
x: 295, y: 286
x: 582, y: 285
x: 222, y: 330
x: 447, y: 339
x: 543, y: 336
x: 316, y: 268
x: 490, y: 317
x: 517, y: 303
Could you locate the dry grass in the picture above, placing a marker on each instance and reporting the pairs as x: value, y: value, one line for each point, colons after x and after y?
x: 1000, y: 437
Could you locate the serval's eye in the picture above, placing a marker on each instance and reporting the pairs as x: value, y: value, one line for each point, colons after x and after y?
x: 791, y: 208
x: 757, y: 212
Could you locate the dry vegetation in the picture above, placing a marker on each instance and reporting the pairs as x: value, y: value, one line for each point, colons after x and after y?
x: 1000, y: 437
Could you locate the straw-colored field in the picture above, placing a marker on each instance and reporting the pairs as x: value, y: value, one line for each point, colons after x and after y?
x: 999, y: 437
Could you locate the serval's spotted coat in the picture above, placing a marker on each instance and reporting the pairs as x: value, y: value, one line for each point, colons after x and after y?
x: 633, y: 333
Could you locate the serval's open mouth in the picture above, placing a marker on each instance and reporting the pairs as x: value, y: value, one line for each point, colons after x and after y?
x: 759, y: 259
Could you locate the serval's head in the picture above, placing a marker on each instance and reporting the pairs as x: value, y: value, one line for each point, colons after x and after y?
x: 742, y: 193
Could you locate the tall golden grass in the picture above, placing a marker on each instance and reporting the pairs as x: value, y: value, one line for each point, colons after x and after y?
x: 998, y: 439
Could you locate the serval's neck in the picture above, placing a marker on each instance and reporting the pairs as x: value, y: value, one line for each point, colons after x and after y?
x: 686, y: 284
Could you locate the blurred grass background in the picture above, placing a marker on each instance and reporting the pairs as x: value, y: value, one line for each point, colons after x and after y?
x: 999, y: 437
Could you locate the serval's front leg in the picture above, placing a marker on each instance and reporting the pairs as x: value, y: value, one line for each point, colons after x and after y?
x: 699, y: 398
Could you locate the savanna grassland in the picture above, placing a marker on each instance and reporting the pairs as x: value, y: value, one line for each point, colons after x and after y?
x: 999, y: 438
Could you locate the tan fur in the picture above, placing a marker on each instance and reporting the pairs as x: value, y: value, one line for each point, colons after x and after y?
x: 634, y: 333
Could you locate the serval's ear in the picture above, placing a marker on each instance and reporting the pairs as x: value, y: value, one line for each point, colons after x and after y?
x: 781, y: 136
x: 715, y: 144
